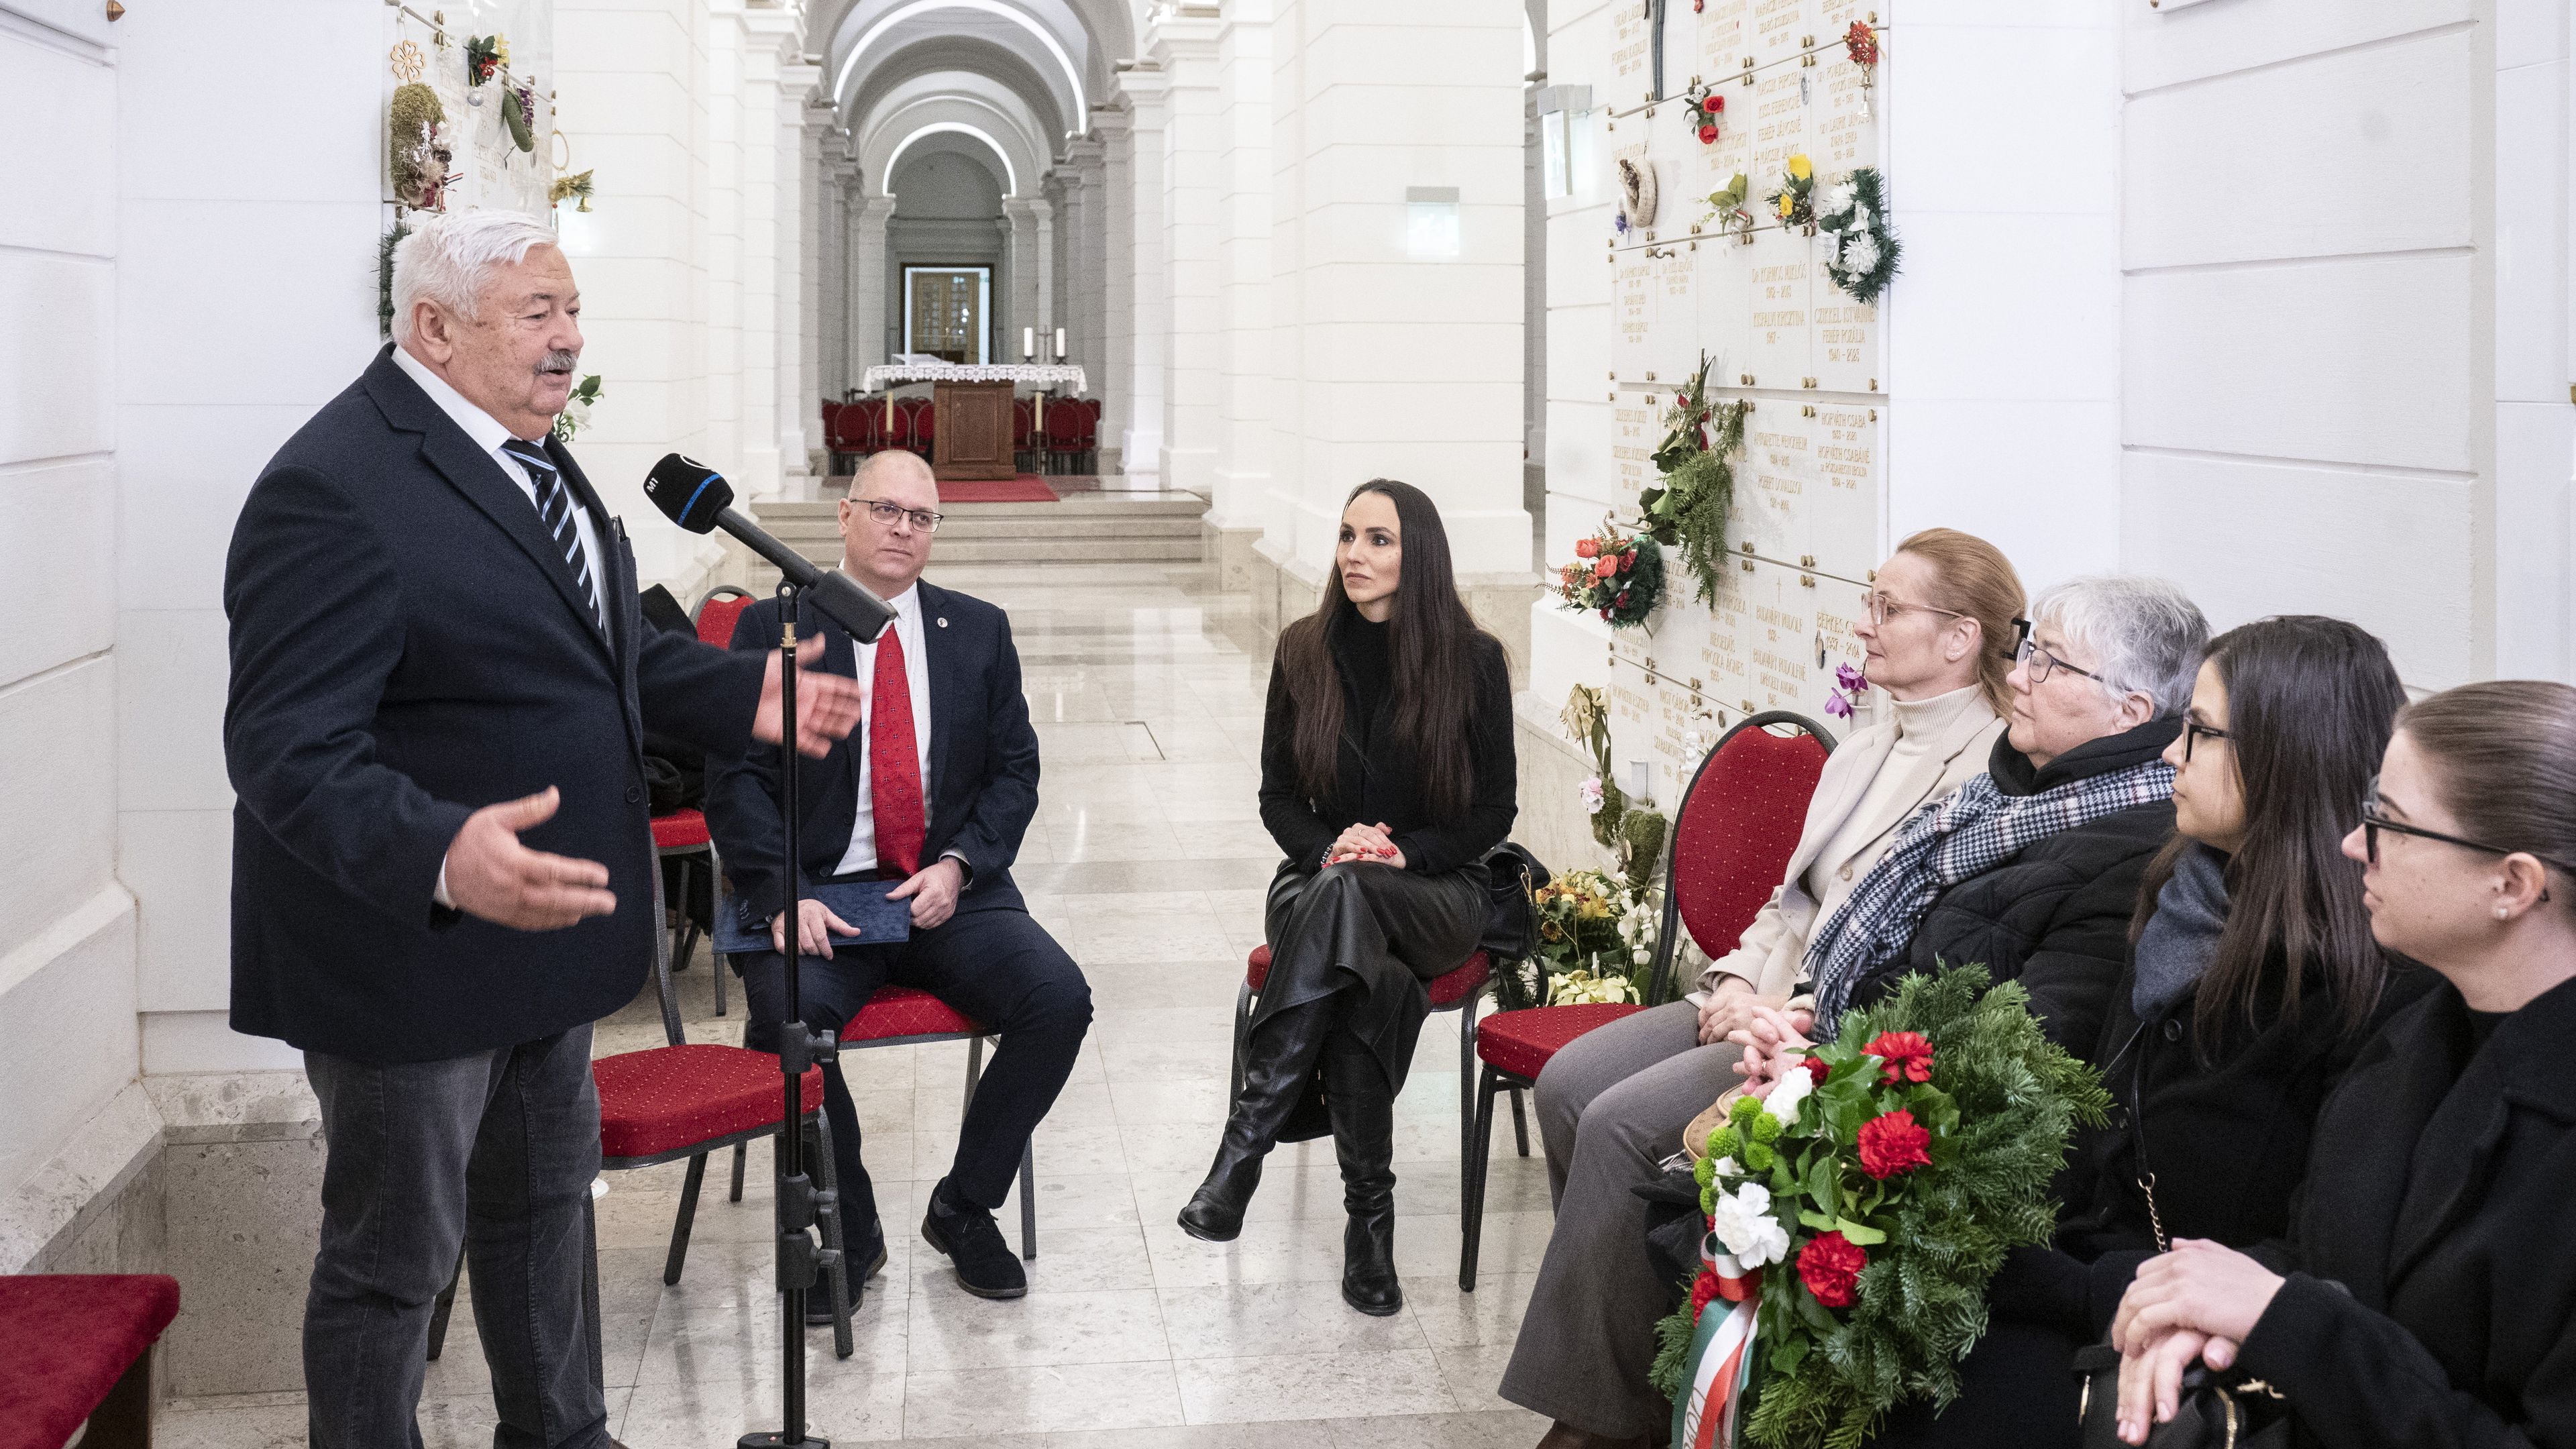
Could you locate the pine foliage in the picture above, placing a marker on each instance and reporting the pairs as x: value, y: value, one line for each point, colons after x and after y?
x: 1827, y: 1377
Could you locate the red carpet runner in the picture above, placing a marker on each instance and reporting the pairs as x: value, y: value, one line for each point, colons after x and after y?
x: 1026, y: 488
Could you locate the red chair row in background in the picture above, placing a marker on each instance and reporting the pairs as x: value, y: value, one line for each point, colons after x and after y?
x: 1050, y: 435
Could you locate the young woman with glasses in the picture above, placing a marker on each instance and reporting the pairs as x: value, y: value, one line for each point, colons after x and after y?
x: 1935, y: 629
x: 2252, y: 984
x: 1387, y: 773
x: 2421, y: 1295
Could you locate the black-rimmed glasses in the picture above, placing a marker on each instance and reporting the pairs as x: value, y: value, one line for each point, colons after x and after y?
x: 2373, y: 822
x: 2034, y: 656
x: 886, y: 513
x: 2192, y: 730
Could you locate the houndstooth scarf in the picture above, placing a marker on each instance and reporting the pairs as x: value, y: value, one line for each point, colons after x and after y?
x: 1971, y: 832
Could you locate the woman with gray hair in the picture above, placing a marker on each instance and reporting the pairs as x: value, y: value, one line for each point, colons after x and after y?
x: 2032, y: 869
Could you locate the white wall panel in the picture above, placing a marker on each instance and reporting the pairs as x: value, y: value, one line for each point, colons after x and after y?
x: 2362, y: 361
x: 2383, y: 148
x: 57, y: 316
x: 294, y: 316
x: 60, y: 202
x: 67, y: 1027
x: 2535, y: 541
x: 2168, y: 47
x: 182, y: 473
x: 172, y: 86
x: 2034, y: 479
x: 177, y: 863
x: 2005, y: 307
x: 2392, y: 553
x: 58, y: 790
x: 57, y: 538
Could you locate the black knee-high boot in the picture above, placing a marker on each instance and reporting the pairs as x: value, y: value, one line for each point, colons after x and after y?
x: 1277, y: 1062
x: 1363, y: 1106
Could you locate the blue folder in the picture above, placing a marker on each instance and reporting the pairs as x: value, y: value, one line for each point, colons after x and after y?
x: 862, y: 903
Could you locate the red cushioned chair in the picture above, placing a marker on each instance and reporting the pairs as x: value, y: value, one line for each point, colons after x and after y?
x: 688, y: 1099
x: 866, y: 421
x: 832, y: 434
x: 907, y: 1016
x: 1737, y: 827
x: 78, y: 1346
x: 682, y: 834
x: 1456, y: 990
x: 1069, y: 426
x: 925, y: 424
x: 1024, y: 412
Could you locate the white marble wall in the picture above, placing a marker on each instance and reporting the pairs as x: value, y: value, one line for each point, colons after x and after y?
x: 1244, y: 364
x: 1184, y: 45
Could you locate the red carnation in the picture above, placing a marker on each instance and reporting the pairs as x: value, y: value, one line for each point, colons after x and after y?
x: 1816, y: 1068
x: 1892, y: 1144
x: 1622, y: 600
x: 1830, y: 1266
x: 1707, y: 135
x: 1587, y: 548
x: 1907, y: 1054
x: 1605, y: 568
x: 1627, y: 560
x: 1703, y: 1288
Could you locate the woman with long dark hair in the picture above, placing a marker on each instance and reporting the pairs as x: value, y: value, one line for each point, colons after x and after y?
x: 1386, y: 775
x: 2421, y: 1296
x: 2252, y: 984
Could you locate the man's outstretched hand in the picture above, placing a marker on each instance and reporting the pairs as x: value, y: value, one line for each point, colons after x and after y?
x: 827, y: 705
x: 492, y: 876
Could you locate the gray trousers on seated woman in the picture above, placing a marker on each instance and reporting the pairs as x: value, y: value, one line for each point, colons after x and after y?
x: 1611, y: 1106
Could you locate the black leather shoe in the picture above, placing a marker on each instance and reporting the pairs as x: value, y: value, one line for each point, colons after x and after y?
x: 1363, y: 1107
x: 985, y: 1264
x: 1278, y: 1060
x: 818, y: 1302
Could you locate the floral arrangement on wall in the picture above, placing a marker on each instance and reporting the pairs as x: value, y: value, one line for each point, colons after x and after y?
x: 1862, y: 257
x: 1794, y: 203
x: 1726, y: 208
x: 1617, y: 575
x: 1704, y: 109
x: 1687, y: 510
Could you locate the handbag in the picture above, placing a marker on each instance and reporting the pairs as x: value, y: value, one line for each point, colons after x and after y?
x: 1510, y: 937
x: 2214, y: 1410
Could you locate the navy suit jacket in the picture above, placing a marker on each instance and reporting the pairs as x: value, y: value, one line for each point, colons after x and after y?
x: 408, y: 646
x: 983, y: 786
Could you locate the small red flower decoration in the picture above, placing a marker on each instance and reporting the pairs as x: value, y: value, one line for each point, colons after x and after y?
x: 1862, y: 43
x: 1894, y: 1143
x: 1703, y: 1288
x: 1907, y: 1055
x: 1830, y: 1266
x: 1627, y: 560
x: 1707, y: 135
x: 1715, y: 104
x: 1816, y: 1068
x: 1604, y: 568
x: 1587, y: 548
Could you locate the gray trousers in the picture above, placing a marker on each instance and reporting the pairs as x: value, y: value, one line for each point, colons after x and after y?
x: 493, y: 1152
x: 1611, y: 1107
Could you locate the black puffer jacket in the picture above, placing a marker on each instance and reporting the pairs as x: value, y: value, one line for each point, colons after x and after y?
x: 2056, y: 916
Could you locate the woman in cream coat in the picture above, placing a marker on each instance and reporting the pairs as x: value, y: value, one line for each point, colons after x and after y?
x: 1938, y: 631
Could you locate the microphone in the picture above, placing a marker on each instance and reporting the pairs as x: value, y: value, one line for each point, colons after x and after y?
x: 697, y: 498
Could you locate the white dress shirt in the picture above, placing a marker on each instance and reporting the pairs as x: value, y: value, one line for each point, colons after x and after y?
x: 862, y: 854
x: 488, y: 434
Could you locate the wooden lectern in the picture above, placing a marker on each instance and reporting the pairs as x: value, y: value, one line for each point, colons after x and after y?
x: 972, y: 435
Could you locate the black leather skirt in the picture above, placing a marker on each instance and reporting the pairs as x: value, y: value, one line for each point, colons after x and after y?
x: 1367, y: 937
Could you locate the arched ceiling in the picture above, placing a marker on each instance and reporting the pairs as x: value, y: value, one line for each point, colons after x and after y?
x: 1022, y: 73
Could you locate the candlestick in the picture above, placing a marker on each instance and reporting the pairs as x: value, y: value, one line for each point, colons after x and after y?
x: 1059, y: 344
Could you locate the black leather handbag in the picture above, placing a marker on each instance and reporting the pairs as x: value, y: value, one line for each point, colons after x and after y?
x: 1511, y: 922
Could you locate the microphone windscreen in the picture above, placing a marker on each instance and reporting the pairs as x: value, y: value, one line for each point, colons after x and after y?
x: 688, y: 492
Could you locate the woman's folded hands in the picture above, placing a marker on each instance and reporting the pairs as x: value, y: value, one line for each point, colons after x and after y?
x: 2196, y: 1303
x: 1365, y: 842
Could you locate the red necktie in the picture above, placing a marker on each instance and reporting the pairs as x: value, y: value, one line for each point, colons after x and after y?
x: 894, y: 762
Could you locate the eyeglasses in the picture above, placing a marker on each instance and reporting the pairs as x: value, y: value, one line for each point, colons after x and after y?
x: 2193, y: 729
x: 886, y: 513
x: 1880, y: 608
x: 2031, y: 655
x: 2373, y: 822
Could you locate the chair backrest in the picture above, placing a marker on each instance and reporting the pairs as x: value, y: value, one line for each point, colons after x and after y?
x: 1065, y: 424
x: 1739, y: 823
x: 925, y: 422
x: 718, y: 611
x: 1022, y: 411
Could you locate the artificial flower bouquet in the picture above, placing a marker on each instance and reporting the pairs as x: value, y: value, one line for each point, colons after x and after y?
x: 1596, y: 938
x: 1858, y: 1211
x: 1618, y: 575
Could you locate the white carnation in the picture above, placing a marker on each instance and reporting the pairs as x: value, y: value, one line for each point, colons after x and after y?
x: 1788, y: 1092
x: 1837, y: 200
x: 1860, y: 254
x: 1742, y: 1220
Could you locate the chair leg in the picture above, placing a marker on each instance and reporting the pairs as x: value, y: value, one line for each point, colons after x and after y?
x: 1242, y: 1033
x: 688, y: 1216
x: 741, y: 1152
x: 123, y: 1420
x: 720, y: 969
x: 1028, y: 1200
x: 836, y: 1278
x: 445, y: 1305
x: 1466, y: 1076
x: 1520, y: 1122
x: 1471, y: 1217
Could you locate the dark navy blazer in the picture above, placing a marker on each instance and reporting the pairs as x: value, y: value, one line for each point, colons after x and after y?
x: 983, y: 786
x: 408, y: 646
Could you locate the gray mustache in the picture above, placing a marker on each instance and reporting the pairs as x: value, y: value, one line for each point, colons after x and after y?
x: 562, y: 359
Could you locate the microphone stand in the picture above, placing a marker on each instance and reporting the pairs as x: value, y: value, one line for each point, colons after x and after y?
x: 798, y: 1259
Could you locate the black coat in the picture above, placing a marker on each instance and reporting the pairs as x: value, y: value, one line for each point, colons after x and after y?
x: 983, y: 786
x: 2227, y: 1136
x: 2432, y: 1301
x: 407, y: 647
x: 2056, y: 916
x: 1379, y: 783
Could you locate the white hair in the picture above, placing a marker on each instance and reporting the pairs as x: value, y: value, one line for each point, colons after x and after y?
x: 2145, y: 635
x: 449, y: 256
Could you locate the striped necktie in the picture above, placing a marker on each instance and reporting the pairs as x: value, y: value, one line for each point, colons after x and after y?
x: 554, y: 507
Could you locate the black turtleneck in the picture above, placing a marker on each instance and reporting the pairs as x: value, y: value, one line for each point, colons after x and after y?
x: 1365, y: 655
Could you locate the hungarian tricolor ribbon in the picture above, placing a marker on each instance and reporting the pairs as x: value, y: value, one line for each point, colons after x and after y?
x: 1720, y: 1352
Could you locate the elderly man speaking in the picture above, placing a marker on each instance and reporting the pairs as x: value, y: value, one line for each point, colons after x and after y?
x: 440, y: 686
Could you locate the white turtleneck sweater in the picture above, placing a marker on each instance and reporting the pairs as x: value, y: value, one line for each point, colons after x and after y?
x: 1920, y: 725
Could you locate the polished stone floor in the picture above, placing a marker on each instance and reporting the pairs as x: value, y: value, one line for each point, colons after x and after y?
x: 1148, y: 862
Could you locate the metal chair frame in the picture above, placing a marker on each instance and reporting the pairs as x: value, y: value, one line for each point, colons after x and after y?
x: 1659, y: 991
